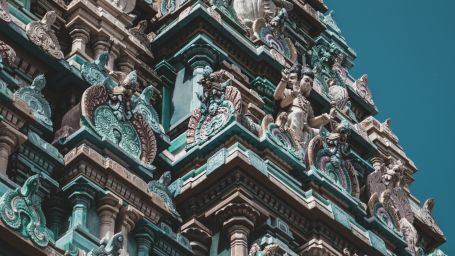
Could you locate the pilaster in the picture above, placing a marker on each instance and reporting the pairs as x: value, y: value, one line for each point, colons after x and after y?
x: 199, y: 237
x: 80, y: 35
x: 10, y: 139
x: 129, y: 216
x: 108, y: 209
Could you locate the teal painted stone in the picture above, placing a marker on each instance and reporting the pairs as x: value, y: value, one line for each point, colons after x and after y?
x: 95, y: 73
x: 215, y: 161
x: 20, y: 210
x: 341, y: 216
x: 5, y: 92
x: 257, y: 162
x: 437, y: 252
x: 144, y: 106
x: 109, y: 247
x: 46, y: 147
x: 166, y: 192
x: 284, y: 140
x: 32, y: 96
x: 377, y: 243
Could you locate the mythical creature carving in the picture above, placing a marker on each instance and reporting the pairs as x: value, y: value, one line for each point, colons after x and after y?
x: 294, y: 125
x: 328, y: 153
x: 139, y: 32
x: 41, y: 34
x: 109, y: 247
x: 425, y: 214
x: 35, y: 100
x: 220, y: 104
x: 166, y: 191
x: 20, y: 210
x: 7, y: 53
x: 362, y: 89
x: 269, y: 250
x: 114, y: 114
x: 95, y: 73
x: 4, y: 11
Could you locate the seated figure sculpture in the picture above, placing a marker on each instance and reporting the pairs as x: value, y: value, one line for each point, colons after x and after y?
x: 292, y: 92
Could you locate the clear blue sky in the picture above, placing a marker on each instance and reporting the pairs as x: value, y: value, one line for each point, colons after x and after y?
x: 407, y: 49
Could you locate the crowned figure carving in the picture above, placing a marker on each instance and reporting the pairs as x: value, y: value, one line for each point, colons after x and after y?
x: 166, y: 192
x: 328, y: 153
x: 220, y: 104
x: 42, y: 34
x: 295, y: 124
x: 4, y: 11
x: 269, y: 250
x: 32, y: 96
x: 20, y: 209
x: 340, y: 99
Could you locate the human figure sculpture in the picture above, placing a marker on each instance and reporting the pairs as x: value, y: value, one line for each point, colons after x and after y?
x: 292, y: 92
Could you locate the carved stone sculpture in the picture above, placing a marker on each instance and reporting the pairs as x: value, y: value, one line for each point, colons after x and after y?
x: 269, y: 250
x: 380, y: 206
x: 250, y: 10
x: 120, y: 96
x: 125, y: 6
x: 41, y: 34
x: 7, y: 53
x: 328, y: 153
x: 20, y: 210
x: 32, y: 96
x: 425, y: 214
x: 139, y: 32
x: 4, y: 11
x: 362, y: 89
x: 292, y: 92
x: 95, y: 73
x: 109, y: 247
x: 166, y: 192
x: 220, y: 104
x: 340, y: 99
x: 410, y: 235
x: 143, y: 105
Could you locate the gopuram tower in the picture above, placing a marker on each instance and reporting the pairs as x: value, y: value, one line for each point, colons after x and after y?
x: 195, y: 127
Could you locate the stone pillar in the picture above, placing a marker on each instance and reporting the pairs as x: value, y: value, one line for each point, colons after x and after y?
x: 144, y: 241
x: 81, y: 200
x: 56, y: 215
x: 10, y: 138
x: 100, y: 44
x: 199, y: 237
x: 238, y: 221
x: 80, y: 35
x: 129, y: 216
x: 108, y: 209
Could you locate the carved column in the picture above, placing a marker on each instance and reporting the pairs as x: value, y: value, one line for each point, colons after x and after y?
x: 80, y: 35
x: 108, y: 209
x: 125, y: 64
x: 81, y: 200
x: 199, y: 236
x: 129, y: 216
x: 144, y: 238
x: 10, y: 138
x: 100, y: 44
x: 238, y: 220
x: 56, y: 214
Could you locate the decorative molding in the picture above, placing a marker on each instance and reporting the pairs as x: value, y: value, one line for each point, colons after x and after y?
x: 41, y: 34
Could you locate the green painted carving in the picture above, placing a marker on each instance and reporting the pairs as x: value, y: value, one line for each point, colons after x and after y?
x: 268, y: 250
x: 95, y: 73
x: 215, y: 161
x: 220, y: 104
x: 378, y: 243
x: 144, y: 106
x: 437, y: 252
x: 166, y: 192
x: 341, y: 216
x: 46, y: 147
x: 35, y: 100
x: 282, y: 137
x: 5, y: 93
x: 226, y: 8
x: 322, y: 59
x: 109, y: 247
x: 20, y: 210
x: 118, y: 131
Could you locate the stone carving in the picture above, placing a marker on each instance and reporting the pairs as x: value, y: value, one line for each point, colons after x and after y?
x: 322, y: 59
x: 389, y: 176
x: 20, y: 210
x: 125, y: 6
x: 269, y: 250
x: 7, y: 53
x: 411, y: 236
x: 426, y: 216
x: 165, y: 191
x: 41, y: 34
x: 109, y: 247
x: 251, y: 10
x: 109, y: 112
x: 35, y: 100
x: 168, y: 6
x: 95, y: 73
x: 294, y: 125
x: 4, y: 11
x: 362, y: 89
x: 143, y: 105
x: 139, y: 32
x: 220, y: 104
x: 340, y: 99
x: 437, y: 252
x: 382, y: 208
x: 328, y: 153
x: 270, y: 30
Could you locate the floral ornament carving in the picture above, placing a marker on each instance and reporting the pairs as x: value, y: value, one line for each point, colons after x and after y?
x: 163, y: 189
x: 425, y: 214
x: 35, y: 100
x: 41, y: 34
x: 293, y: 128
x: 328, y: 153
x: 362, y: 89
x: 139, y: 32
x: 109, y: 247
x: 7, y: 53
x: 270, y: 30
x: 95, y: 73
x: 381, y: 207
x: 269, y: 250
x: 109, y: 112
x: 20, y: 209
x: 168, y: 6
x: 4, y: 11
x: 220, y: 105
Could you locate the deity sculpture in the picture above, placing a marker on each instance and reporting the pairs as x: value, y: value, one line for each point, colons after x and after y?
x: 214, y: 87
x: 340, y: 98
x: 292, y: 92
